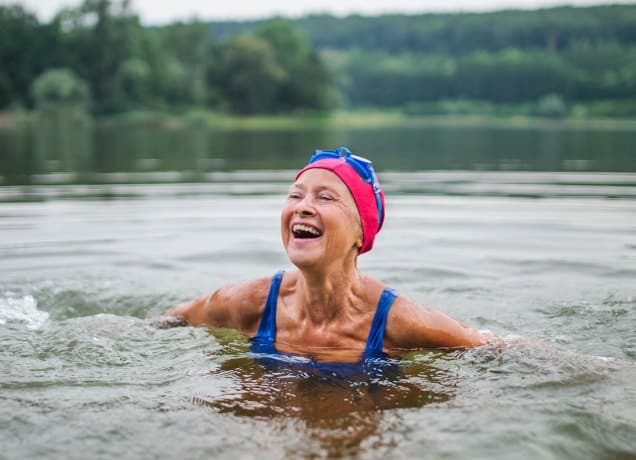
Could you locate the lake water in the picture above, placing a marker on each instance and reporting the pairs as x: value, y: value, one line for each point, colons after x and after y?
x: 546, y: 259
x: 66, y: 150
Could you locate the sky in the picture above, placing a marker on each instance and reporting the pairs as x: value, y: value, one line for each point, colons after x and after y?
x: 155, y: 12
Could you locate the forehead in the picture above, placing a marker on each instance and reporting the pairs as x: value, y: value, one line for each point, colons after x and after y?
x: 321, y: 178
x: 317, y: 179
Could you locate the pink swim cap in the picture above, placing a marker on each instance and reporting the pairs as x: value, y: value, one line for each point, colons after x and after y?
x: 358, y: 175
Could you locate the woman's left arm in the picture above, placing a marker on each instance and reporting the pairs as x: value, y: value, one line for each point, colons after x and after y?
x: 411, y: 325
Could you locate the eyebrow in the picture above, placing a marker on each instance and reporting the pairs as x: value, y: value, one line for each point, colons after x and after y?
x: 320, y: 188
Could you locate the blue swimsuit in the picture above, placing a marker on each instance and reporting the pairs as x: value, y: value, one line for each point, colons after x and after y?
x: 263, y: 342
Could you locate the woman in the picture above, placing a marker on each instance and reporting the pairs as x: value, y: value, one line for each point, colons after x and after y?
x: 327, y: 309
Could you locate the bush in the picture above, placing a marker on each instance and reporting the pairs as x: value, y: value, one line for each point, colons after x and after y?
x: 450, y: 107
x: 551, y: 106
x: 60, y: 86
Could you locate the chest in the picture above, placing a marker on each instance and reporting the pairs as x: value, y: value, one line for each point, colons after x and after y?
x: 295, y: 330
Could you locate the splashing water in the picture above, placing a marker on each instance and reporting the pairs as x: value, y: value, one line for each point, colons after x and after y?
x: 21, y: 310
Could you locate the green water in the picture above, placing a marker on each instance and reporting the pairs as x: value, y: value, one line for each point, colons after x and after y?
x: 67, y: 150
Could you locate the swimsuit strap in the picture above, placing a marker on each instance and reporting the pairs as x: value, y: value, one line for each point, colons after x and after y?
x: 267, y: 326
x: 376, y: 334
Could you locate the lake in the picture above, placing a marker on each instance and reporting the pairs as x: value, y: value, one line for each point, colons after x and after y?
x: 71, y: 149
x: 527, y: 232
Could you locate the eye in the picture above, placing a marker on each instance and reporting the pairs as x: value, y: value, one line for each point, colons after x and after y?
x: 294, y: 196
x: 325, y: 197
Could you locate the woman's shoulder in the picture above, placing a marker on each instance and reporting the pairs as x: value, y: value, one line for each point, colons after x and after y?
x: 240, y: 304
x: 237, y: 305
x: 405, y: 322
x: 414, y: 325
x: 373, y: 289
x: 246, y: 294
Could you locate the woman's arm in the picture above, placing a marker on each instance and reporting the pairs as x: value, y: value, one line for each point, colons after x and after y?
x: 202, y: 310
x: 411, y: 325
x: 237, y: 306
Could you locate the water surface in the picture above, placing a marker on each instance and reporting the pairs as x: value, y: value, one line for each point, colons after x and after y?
x: 62, y: 150
x: 546, y: 257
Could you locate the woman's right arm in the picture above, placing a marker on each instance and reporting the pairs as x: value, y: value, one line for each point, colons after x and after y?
x: 198, y: 311
x: 237, y: 306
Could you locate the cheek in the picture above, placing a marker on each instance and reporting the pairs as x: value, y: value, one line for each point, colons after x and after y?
x: 355, y: 225
x: 352, y: 219
x: 285, y: 216
x: 349, y: 224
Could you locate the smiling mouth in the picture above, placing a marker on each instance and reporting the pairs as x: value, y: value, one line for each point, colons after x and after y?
x: 302, y: 231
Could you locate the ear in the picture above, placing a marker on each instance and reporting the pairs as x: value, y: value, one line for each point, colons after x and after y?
x: 359, y: 238
x: 358, y: 243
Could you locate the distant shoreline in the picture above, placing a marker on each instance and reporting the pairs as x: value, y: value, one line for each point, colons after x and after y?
x: 345, y: 119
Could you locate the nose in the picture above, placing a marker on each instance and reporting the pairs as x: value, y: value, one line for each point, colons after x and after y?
x: 305, y: 207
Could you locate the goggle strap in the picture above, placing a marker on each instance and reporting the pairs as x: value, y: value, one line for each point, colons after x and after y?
x: 346, y: 151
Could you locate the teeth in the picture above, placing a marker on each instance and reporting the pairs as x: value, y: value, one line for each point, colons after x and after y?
x: 305, y: 228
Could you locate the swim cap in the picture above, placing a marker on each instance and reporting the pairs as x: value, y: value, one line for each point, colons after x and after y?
x: 358, y: 175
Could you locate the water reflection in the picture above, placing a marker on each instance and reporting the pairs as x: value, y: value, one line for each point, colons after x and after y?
x: 65, y: 142
x: 339, y: 413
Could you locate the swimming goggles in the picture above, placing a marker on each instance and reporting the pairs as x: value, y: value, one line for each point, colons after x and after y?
x: 361, y: 165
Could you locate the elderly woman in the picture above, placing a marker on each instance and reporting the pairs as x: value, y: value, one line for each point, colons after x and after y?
x: 327, y: 309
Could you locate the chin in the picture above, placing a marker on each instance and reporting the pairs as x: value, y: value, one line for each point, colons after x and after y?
x: 304, y: 259
x: 307, y: 254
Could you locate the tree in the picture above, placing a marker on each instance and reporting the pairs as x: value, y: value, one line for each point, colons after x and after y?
x: 134, y: 81
x: 309, y: 85
x: 102, y: 35
x: 189, y: 51
x: 26, y: 49
x: 305, y: 82
x: 290, y: 47
x: 248, y: 75
x: 60, y: 87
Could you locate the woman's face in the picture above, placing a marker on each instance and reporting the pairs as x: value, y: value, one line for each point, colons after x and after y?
x: 320, y: 221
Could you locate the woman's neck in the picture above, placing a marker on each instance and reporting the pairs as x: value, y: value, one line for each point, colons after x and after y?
x: 325, y: 296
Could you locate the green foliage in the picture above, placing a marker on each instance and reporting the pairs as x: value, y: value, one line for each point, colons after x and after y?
x: 509, y: 76
x: 625, y: 108
x: 129, y: 67
x: 290, y: 47
x: 551, y: 106
x: 450, y: 107
x: 506, y: 57
x: 26, y: 49
x: 437, y: 63
x: 271, y: 71
x: 305, y: 83
x: 309, y: 85
x: 134, y: 79
x: 188, y: 51
x: 60, y: 87
x: 456, y: 34
x: 248, y: 75
x: 98, y: 38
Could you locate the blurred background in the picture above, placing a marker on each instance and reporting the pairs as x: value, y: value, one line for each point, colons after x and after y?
x: 176, y: 90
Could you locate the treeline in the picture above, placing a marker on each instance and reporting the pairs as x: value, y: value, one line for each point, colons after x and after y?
x: 100, y: 55
x: 555, y: 62
x: 553, y: 29
x: 547, y: 60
